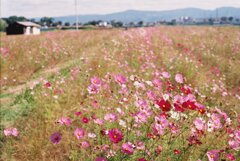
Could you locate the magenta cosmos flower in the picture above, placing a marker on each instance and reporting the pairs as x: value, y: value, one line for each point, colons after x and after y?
x: 142, y: 159
x: 11, y: 132
x: 79, y: 133
x: 55, y: 138
x: 128, y: 148
x: 230, y: 157
x: 164, y: 105
x: 179, y: 78
x: 85, y: 120
x: 213, y: 155
x: 115, y: 135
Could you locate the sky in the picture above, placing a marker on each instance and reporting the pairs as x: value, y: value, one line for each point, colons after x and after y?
x: 54, y: 8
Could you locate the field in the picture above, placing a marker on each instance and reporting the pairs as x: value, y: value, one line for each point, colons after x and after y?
x: 155, y: 94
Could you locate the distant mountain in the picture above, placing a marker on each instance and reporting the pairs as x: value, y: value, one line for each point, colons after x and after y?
x: 150, y: 16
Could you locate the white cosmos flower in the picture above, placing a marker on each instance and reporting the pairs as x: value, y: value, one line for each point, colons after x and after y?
x: 92, y: 135
x: 122, y: 123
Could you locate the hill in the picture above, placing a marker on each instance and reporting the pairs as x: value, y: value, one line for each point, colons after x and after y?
x: 150, y: 16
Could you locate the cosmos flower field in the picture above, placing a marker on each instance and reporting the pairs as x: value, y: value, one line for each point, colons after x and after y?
x: 144, y: 94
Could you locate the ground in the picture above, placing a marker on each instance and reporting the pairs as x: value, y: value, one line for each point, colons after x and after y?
x: 161, y: 93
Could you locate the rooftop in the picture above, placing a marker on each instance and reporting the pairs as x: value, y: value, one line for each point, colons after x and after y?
x: 26, y: 23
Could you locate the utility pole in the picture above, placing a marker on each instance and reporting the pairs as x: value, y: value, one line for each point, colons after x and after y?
x: 76, y: 13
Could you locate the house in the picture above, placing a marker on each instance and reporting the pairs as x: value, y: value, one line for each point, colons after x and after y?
x: 104, y: 24
x: 24, y: 28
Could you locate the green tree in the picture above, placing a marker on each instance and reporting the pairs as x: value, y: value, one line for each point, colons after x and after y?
x: 3, y: 25
x: 66, y: 24
x: 47, y: 21
x: 12, y: 19
x: 140, y: 23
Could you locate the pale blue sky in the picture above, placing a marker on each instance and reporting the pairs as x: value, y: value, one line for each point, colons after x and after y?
x: 39, y: 8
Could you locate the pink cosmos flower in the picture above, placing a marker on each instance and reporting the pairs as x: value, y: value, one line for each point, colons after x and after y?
x: 151, y: 95
x: 140, y: 117
x: 160, y: 124
x: 216, y: 121
x: 95, y: 104
x: 93, y: 89
x: 166, y: 75
x: 128, y: 148
x: 74, y: 73
x: 237, y: 135
x: 111, y: 117
x: 78, y: 113
x: 223, y: 114
x: 11, y: 132
x: 190, y: 98
x: 141, y: 103
x: 115, y: 135
x: 199, y: 123
x: 213, y: 155
x: 162, y: 121
x: 85, y: 144
x: 234, y: 144
x: 101, y: 159
x: 56, y: 138
x: 79, y: 133
x: 4, y: 51
x: 157, y: 82
x: 174, y: 128
x: 99, y: 121
x: 96, y: 81
x: 140, y: 145
x: 179, y: 78
x: 178, y: 99
x: 120, y: 79
x: 65, y: 121
x: 124, y: 90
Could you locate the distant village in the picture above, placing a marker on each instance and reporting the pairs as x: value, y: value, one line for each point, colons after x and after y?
x: 32, y: 26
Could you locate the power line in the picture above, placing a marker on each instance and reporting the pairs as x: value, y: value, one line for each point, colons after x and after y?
x: 76, y: 13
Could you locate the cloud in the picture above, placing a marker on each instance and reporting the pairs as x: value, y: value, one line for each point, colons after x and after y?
x: 39, y: 8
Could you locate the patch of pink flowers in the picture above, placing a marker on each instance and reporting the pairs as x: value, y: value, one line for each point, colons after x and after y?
x: 11, y: 132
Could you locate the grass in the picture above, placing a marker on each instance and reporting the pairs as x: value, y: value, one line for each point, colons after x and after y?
x: 207, y: 57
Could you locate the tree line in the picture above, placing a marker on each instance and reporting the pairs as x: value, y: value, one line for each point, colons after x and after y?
x: 49, y: 22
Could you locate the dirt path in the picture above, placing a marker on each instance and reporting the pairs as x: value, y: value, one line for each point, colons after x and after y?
x: 15, y: 90
x: 19, y: 88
